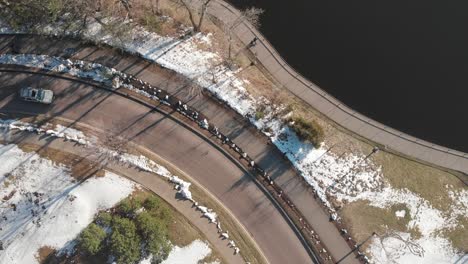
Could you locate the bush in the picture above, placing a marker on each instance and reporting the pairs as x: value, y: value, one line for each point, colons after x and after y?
x: 91, y: 239
x: 307, y: 130
x: 125, y: 241
x: 131, y: 236
x: 164, y: 213
x: 30, y: 13
x: 154, y: 232
x: 128, y: 206
x: 259, y: 115
x: 104, y: 219
x: 151, y: 22
x: 152, y: 203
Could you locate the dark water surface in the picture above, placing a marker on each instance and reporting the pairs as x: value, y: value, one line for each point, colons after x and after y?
x: 403, y: 63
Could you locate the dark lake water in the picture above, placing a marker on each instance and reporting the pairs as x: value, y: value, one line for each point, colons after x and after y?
x: 403, y: 63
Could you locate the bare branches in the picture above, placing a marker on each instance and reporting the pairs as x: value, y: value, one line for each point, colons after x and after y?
x: 252, y: 15
x: 185, y: 4
x: 204, y: 7
x: 195, y: 8
x: 127, y: 4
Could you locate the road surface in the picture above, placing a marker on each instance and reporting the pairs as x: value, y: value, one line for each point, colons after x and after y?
x: 163, y: 135
x: 230, y: 123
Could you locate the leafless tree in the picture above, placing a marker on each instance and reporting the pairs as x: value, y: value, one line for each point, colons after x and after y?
x: 195, y: 9
x: 155, y: 7
x: 250, y: 15
x: 127, y: 5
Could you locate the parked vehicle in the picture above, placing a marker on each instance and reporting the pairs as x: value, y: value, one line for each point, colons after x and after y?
x: 36, y: 95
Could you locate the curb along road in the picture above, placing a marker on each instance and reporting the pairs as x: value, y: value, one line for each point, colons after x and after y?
x: 331, y: 107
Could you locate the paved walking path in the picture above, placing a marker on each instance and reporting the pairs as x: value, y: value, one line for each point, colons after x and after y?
x: 333, y: 108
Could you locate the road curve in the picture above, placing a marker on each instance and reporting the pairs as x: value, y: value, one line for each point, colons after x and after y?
x: 163, y: 135
x: 331, y: 107
x: 158, y: 185
x: 230, y: 123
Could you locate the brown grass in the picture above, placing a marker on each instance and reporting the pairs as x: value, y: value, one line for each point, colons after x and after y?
x: 363, y: 219
x: 81, y: 168
x: 43, y: 253
x: 430, y: 183
x: 210, y: 259
x: 459, y: 235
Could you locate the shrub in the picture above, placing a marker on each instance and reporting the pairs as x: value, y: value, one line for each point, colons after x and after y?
x: 151, y: 22
x: 165, y: 214
x: 125, y: 241
x: 130, y: 235
x: 307, y: 130
x: 152, y: 203
x: 91, y: 239
x: 104, y: 219
x: 259, y: 115
x: 128, y: 206
x: 154, y: 232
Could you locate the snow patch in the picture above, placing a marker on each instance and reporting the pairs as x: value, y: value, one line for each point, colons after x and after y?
x: 140, y: 161
x: 183, y: 187
x: 45, y: 205
x: 400, y: 214
x: 191, y: 254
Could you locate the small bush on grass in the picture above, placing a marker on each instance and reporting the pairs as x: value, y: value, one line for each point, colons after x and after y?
x: 259, y: 115
x: 91, y: 239
x: 151, y: 22
x: 307, y: 130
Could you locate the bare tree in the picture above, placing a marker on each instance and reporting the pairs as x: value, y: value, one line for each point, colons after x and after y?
x: 127, y: 5
x: 195, y: 8
x: 155, y: 7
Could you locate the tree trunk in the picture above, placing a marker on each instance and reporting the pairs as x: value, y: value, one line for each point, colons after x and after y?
x: 202, y: 15
x: 158, y: 11
x: 230, y: 46
x: 190, y: 13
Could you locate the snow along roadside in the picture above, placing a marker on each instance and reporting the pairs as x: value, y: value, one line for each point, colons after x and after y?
x: 320, y: 168
x: 141, y: 162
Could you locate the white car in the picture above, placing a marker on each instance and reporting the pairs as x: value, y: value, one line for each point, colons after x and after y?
x: 36, y: 95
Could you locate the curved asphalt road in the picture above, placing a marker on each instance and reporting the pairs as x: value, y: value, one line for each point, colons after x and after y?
x: 162, y: 135
x: 230, y: 123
